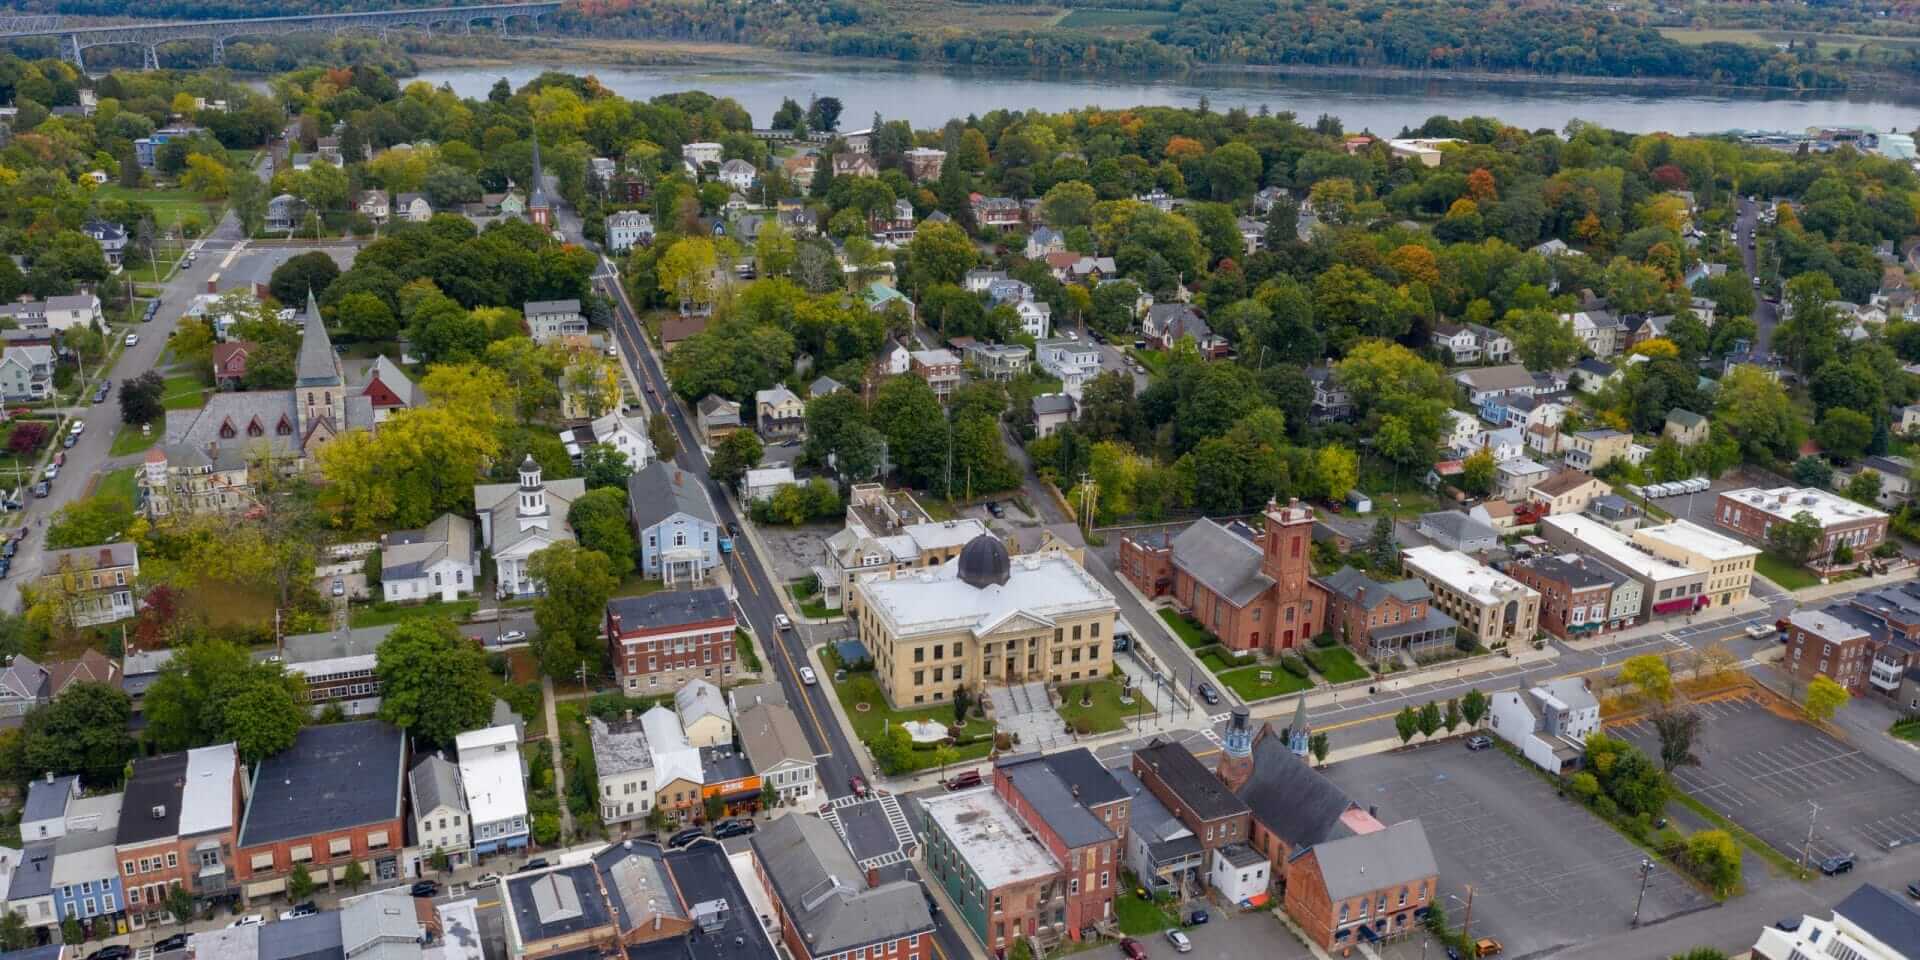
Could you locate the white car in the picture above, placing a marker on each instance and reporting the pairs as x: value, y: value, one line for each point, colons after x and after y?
x: 250, y: 920
x: 77, y: 427
x: 1179, y: 941
x: 780, y: 620
x: 807, y: 676
x: 132, y: 338
x: 513, y: 636
x: 1759, y: 631
x: 486, y: 880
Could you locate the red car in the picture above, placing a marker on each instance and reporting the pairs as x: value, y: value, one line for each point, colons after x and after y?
x: 859, y: 785
x: 1132, y: 949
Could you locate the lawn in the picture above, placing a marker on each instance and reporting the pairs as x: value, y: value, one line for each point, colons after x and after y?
x: 184, y: 391
x: 118, y: 483
x: 381, y: 614
x: 1106, y: 713
x: 638, y: 585
x: 1784, y: 574
x: 1154, y: 360
x: 130, y: 441
x: 1091, y: 19
x: 809, y: 603
x: 231, y: 604
x: 1908, y: 729
x: 1216, y: 660
x: 1247, y: 683
x: 743, y: 649
x: 169, y: 206
x: 860, y: 689
x: 1139, y: 918
x: 1186, y: 628
x: 1335, y: 663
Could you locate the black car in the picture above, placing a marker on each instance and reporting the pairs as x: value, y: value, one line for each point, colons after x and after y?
x: 537, y: 863
x: 1913, y: 890
x: 685, y: 837
x: 1208, y: 693
x: 41, y: 489
x: 1789, y: 925
x: 732, y: 828
x: 424, y: 888
x: 118, y: 951
x: 994, y: 507
x: 1834, y: 866
x: 6, y: 567
x: 176, y: 942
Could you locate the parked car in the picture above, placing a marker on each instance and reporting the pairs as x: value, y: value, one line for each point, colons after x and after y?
x: 6, y: 566
x: 1788, y: 925
x: 77, y: 427
x: 249, y: 920
x: 1131, y: 949
x: 117, y: 951
x: 994, y: 507
x: 52, y: 471
x: 1759, y: 631
x: 424, y: 888
x: 780, y: 620
x: 1913, y: 890
x: 738, y: 827
x: 685, y: 837
x: 339, y: 587
x: 1834, y: 866
x: 132, y: 339
x: 513, y: 636
x: 1198, y: 917
x: 1479, y: 741
x: 69, y: 440
x: 1208, y: 693
x: 858, y: 784
x: 486, y: 880
x: 807, y: 676
x: 41, y: 489
x: 176, y: 942
x: 299, y: 910
x: 963, y: 780
x: 1180, y: 942
x: 537, y: 863
x: 1487, y: 947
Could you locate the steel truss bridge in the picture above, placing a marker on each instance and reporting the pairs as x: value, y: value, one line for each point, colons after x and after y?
x: 75, y: 41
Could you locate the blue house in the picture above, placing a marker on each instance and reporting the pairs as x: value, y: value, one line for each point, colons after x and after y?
x: 673, y: 522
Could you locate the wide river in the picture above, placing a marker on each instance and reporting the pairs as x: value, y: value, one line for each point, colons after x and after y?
x: 929, y: 96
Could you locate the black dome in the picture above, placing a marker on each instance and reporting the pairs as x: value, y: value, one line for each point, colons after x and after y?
x: 984, y: 561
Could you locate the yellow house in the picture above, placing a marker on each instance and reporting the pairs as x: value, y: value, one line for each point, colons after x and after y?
x: 1593, y: 449
x: 1727, y: 562
x: 1569, y: 491
x: 985, y: 618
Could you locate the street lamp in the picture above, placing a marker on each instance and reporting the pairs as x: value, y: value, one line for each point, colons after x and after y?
x: 1646, y: 872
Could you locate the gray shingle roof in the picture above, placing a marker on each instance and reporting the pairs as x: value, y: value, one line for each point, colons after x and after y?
x: 825, y: 893
x: 408, y: 553
x: 534, y: 307
x: 1053, y: 800
x: 200, y: 430
x: 661, y: 490
x: 671, y: 608
x: 770, y: 733
x: 48, y: 800
x: 1081, y: 769
x: 1190, y: 779
x: 1226, y: 564
x: 1890, y: 919
x: 436, y: 782
x: 1456, y: 526
x: 315, y: 365
x: 1348, y: 582
x: 1366, y: 862
x: 1290, y: 798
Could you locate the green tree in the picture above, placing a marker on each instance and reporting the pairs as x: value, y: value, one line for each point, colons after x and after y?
x: 355, y: 877
x: 189, y: 704
x: 602, y: 465
x: 666, y: 443
x: 1473, y: 706
x: 83, y: 731
x: 1795, y: 540
x: 1808, y: 336
x: 248, y: 198
x: 1542, y: 339
x: 1700, y: 953
x: 366, y: 316
x: 180, y: 903
x: 1429, y: 718
x: 1824, y: 697
x: 96, y: 519
x: 1755, y: 410
x: 1845, y: 434
x: 1649, y: 675
x: 434, y: 682
x: 1865, y: 488
x: 14, y: 932
x: 1677, y: 727
x: 1715, y: 858
x: 262, y: 717
x: 599, y: 519
x: 577, y: 582
x: 1476, y: 473
x: 1321, y: 745
x: 299, y: 883
x: 303, y: 274
x: 1407, y: 723
x: 1069, y: 204
x: 1452, y: 718
x: 939, y: 253
x: 140, y: 398
x: 739, y: 452
x: 774, y: 249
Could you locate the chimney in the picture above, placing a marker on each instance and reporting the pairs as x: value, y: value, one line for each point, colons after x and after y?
x: 873, y: 877
x: 1373, y: 811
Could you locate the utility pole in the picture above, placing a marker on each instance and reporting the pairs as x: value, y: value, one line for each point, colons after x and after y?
x: 1806, y: 852
x: 1466, y: 925
x: 1646, y: 871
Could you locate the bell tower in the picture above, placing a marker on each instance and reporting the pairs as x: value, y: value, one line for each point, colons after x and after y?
x: 1236, y: 753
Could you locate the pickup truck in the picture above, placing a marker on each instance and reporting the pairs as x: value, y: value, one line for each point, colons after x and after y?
x: 1487, y: 947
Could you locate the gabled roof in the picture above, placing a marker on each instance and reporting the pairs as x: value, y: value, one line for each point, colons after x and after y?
x: 436, y: 783
x: 1687, y: 419
x: 1889, y: 918
x: 1459, y: 527
x: 1226, y: 564
x: 1053, y: 800
x: 1362, y: 863
x: 1349, y: 583
x: 1186, y: 776
x: 1290, y: 798
x: 1565, y: 481
x: 660, y: 489
x: 825, y: 894
x: 315, y: 365
x: 770, y: 733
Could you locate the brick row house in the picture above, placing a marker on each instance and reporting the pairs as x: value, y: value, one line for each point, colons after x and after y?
x: 179, y: 825
x: 1250, y: 588
x: 662, y: 640
x: 1868, y: 643
x: 825, y: 906
x: 332, y: 800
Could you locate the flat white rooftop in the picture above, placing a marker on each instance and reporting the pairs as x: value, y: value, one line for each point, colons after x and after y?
x: 994, y: 844
x: 490, y: 771
x: 1694, y: 538
x: 1616, y: 549
x: 1463, y: 573
x: 937, y: 600
x: 1787, y: 502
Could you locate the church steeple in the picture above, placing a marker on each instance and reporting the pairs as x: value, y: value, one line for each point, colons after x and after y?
x: 1300, y: 732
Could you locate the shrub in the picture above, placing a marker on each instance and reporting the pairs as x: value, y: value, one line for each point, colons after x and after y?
x: 1326, y: 641
x: 1294, y: 665
x: 1606, y: 808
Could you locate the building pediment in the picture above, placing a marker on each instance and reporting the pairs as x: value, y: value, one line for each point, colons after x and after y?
x: 1013, y: 623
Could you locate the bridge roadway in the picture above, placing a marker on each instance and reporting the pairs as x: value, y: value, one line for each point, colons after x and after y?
x: 75, y: 41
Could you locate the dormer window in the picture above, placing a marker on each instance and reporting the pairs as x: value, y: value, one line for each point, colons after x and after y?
x: 227, y: 432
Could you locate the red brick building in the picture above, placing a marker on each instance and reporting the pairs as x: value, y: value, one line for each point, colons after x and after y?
x: 1252, y: 589
x: 1073, y: 806
x: 1192, y: 793
x: 1381, y: 619
x: 825, y: 906
x: 1752, y: 511
x: 332, y: 800
x: 661, y: 640
x: 1574, y: 594
x: 179, y: 819
x: 1830, y: 643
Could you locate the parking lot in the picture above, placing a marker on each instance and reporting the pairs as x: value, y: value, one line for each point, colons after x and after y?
x: 1546, y: 874
x: 1765, y: 771
x: 795, y: 551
